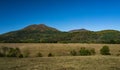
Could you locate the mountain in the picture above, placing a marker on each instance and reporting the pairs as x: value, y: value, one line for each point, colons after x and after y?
x: 78, y: 30
x: 39, y: 27
x: 31, y: 33
x: 44, y: 34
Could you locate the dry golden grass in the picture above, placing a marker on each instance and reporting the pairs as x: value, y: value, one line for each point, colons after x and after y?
x: 62, y: 63
x: 62, y: 60
x: 59, y: 49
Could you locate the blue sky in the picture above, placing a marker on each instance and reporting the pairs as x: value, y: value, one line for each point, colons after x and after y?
x: 64, y: 15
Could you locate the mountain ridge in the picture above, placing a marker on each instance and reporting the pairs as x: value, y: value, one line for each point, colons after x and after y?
x: 44, y: 34
x: 31, y: 27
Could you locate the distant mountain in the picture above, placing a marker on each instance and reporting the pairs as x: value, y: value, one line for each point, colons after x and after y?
x: 31, y: 33
x: 44, y: 34
x: 79, y: 30
x: 39, y: 27
x: 108, y: 31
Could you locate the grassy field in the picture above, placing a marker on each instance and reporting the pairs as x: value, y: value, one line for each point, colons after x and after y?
x: 62, y: 63
x: 62, y: 59
x: 60, y: 49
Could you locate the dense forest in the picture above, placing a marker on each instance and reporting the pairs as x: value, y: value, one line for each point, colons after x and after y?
x: 44, y: 34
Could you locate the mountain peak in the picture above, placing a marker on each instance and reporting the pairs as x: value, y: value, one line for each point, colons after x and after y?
x: 42, y: 25
x: 39, y: 27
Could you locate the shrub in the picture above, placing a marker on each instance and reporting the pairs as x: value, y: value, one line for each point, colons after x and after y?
x: 38, y: 54
x: 20, y: 56
x: 84, y: 52
x: 10, y: 52
x: 13, y: 52
x: 105, y: 50
x: 50, y: 55
x: 18, y: 53
x: 73, y: 52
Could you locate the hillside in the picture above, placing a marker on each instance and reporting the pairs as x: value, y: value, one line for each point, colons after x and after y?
x: 45, y: 34
x: 78, y: 30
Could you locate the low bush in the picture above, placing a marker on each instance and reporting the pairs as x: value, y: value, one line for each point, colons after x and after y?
x: 84, y: 52
x: 105, y: 50
x: 21, y: 56
x: 50, y: 55
x: 10, y: 52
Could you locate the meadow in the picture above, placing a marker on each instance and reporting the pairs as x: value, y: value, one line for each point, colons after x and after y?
x: 62, y: 59
x: 59, y: 49
x: 61, y: 63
